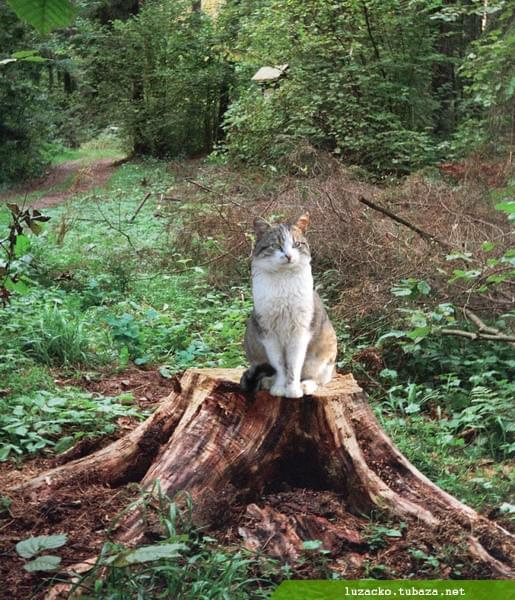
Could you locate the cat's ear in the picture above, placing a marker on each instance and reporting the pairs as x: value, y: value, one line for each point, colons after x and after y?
x: 260, y: 227
x: 303, y: 222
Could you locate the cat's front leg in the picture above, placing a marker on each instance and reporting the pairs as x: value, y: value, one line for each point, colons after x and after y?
x: 274, y: 354
x: 295, y: 355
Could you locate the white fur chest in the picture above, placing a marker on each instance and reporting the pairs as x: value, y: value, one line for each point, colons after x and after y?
x: 283, y: 301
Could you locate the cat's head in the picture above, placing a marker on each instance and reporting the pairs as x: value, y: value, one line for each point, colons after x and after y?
x: 281, y: 247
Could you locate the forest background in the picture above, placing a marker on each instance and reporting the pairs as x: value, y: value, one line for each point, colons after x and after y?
x: 405, y: 104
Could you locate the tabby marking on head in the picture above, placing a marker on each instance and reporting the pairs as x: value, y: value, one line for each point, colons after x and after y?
x: 289, y: 342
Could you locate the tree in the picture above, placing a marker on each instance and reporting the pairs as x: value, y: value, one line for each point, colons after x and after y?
x: 159, y: 77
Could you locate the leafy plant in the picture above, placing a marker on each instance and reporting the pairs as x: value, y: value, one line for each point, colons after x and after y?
x: 15, y: 248
x: 55, y: 421
x: 33, y: 546
x: 425, y: 562
x: 377, y: 536
x: 126, y: 333
x: 184, y: 564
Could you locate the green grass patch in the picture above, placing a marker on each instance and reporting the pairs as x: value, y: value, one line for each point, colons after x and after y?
x: 104, y: 146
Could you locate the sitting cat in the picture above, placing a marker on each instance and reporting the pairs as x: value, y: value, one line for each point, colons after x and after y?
x: 289, y: 342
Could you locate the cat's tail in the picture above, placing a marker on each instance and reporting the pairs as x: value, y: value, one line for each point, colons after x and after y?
x: 250, y: 380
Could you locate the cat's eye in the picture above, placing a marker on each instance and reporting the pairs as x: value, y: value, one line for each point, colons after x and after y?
x: 298, y: 244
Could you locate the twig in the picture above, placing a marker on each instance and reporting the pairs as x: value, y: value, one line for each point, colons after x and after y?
x: 335, y: 210
x: 428, y: 237
x: 471, y: 335
x: 201, y: 186
x: 141, y: 205
x: 114, y: 227
x: 219, y: 194
x: 479, y: 323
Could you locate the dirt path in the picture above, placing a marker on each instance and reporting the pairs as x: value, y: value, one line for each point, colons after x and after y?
x: 64, y: 181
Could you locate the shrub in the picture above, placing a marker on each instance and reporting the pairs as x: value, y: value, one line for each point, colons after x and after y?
x: 345, y: 91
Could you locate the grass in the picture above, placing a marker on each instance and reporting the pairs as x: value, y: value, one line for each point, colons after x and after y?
x: 105, y: 146
x: 102, y: 292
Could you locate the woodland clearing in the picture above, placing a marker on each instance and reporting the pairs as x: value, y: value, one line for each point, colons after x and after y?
x: 133, y: 308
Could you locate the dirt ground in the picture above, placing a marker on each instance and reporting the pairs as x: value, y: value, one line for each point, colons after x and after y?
x: 84, y: 511
x: 64, y: 181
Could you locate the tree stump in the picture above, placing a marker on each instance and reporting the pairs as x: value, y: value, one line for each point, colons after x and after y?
x: 213, y: 440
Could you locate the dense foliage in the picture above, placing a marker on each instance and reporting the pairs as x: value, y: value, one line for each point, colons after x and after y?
x: 158, y: 76
x: 23, y: 106
x: 388, y: 85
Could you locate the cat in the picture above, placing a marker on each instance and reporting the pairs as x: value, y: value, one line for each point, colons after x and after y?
x: 289, y: 341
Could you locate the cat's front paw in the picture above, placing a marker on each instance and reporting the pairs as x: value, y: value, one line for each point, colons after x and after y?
x: 294, y: 390
x: 309, y: 386
x: 278, y: 390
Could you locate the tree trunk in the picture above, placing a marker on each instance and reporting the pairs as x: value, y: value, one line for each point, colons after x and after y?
x: 222, y: 445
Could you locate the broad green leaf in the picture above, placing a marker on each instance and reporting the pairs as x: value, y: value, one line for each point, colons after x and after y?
x: 33, y: 545
x: 311, y: 545
x: 149, y: 554
x: 22, y: 245
x: 388, y: 374
x: 24, y: 53
x: 508, y: 207
x: 64, y: 443
x: 141, y: 360
x: 165, y: 372
x: 401, y: 291
x: 419, y: 333
x: 44, y: 15
x: 48, y: 562
x: 394, y: 334
x: 393, y: 533
x: 5, y: 451
x: 16, y: 286
x: 423, y: 287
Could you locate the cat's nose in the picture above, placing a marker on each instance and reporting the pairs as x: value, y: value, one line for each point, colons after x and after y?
x: 288, y: 257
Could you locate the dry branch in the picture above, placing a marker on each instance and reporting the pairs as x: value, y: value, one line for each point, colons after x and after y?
x: 140, y: 206
x: 478, y: 335
x: 428, y: 237
x: 484, y: 332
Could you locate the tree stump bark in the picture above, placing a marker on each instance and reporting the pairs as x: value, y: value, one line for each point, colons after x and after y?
x: 213, y: 440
